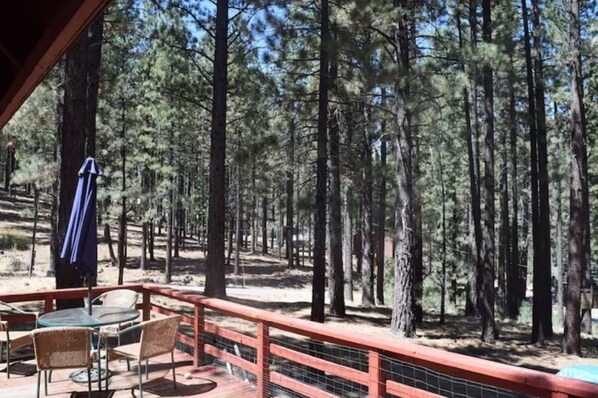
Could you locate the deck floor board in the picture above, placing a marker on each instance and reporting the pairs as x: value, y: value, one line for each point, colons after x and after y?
x: 205, y: 382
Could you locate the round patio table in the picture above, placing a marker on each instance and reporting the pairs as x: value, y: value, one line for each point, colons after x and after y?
x: 79, y: 317
x: 100, y: 316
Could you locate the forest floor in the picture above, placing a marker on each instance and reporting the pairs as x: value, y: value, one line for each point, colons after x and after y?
x: 267, y: 283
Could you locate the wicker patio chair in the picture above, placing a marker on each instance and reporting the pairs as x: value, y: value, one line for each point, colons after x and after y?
x: 13, y: 339
x: 157, y: 338
x: 124, y: 298
x: 62, y: 348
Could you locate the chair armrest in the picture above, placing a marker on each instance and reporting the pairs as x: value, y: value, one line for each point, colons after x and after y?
x: 19, y: 310
x: 100, y: 297
x: 107, y: 333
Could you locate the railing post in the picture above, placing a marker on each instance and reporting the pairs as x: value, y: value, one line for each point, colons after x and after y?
x: 377, y: 382
x: 263, y: 359
x: 147, y: 295
x: 48, y: 304
x: 198, y: 340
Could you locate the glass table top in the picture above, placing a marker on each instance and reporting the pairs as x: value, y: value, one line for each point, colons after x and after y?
x: 100, y: 316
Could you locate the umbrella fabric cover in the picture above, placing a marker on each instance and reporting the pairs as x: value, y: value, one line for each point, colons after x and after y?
x: 81, y: 242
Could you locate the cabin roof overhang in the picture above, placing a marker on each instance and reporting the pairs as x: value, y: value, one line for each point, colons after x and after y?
x: 34, y: 34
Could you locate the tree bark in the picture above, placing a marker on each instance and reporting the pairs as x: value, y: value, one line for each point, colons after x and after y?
x: 403, y: 317
x: 144, y: 242
x: 108, y: 239
x: 348, y: 243
x: 367, y: 274
x: 542, y: 302
x: 35, y: 217
x: 504, y: 238
x: 443, y: 222
x: 74, y: 125
x: 319, y: 263
x: 264, y: 225
x: 253, y: 208
x: 151, y: 241
x: 471, y: 131
x: 215, y: 279
x: 238, y: 220
x: 513, y: 259
x: 122, y: 220
x: 486, y: 271
x: 559, y: 233
x: 381, y: 222
x: 290, y: 196
x: 577, y: 204
x: 336, y: 276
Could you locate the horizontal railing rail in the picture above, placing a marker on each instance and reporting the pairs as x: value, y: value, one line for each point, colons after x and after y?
x: 375, y: 378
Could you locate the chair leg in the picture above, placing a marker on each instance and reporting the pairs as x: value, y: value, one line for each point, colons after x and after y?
x: 45, y: 382
x: 50, y: 376
x: 8, y: 360
x: 147, y: 369
x: 39, y: 380
x: 89, y: 382
x: 128, y: 365
x: 99, y: 363
x: 140, y: 380
x: 173, y: 369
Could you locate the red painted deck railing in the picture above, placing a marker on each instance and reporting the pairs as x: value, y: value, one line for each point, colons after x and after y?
x: 505, y: 377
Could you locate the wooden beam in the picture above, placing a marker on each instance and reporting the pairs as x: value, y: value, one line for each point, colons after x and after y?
x: 70, y: 21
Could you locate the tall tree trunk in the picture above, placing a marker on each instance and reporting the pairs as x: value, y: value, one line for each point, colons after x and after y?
x: 348, y: 243
x: 403, y: 318
x: 381, y: 222
x: 525, y: 249
x: 577, y: 204
x: 471, y: 131
x: 238, y: 218
x: 74, y: 128
x: 215, y: 280
x: 367, y: 275
x: 55, y: 190
x: 108, y: 240
x: 122, y: 220
x: 443, y: 222
x: 169, y: 227
x: 280, y: 228
x: 253, y: 208
x: 504, y: 243
x: 559, y: 233
x: 35, y: 217
x: 144, y: 242
x: 231, y: 231
x: 290, y: 196
x: 336, y: 276
x: 542, y: 303
x: 513, y: 263
x: 150, y: 244
x: 319, y: 264
x: 94, y: 56
x: 486, y: 271
x: 264, y: 225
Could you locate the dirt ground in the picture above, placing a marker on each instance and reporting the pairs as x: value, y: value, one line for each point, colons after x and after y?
x: 268, y: 284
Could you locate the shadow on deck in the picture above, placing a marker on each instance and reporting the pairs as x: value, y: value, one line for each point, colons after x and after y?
x: 205, y: 381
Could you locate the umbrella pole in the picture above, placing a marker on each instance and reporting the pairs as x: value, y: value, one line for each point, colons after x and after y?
x: 89, y: 294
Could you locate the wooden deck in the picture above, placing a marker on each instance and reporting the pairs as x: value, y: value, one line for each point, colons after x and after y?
x: 205, y: 382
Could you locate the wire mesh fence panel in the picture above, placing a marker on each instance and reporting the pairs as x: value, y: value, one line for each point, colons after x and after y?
x: 318, y: 365
x: 438, y: 383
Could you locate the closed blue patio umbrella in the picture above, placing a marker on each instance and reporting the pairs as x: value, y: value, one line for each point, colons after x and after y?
x: 81, y: 242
